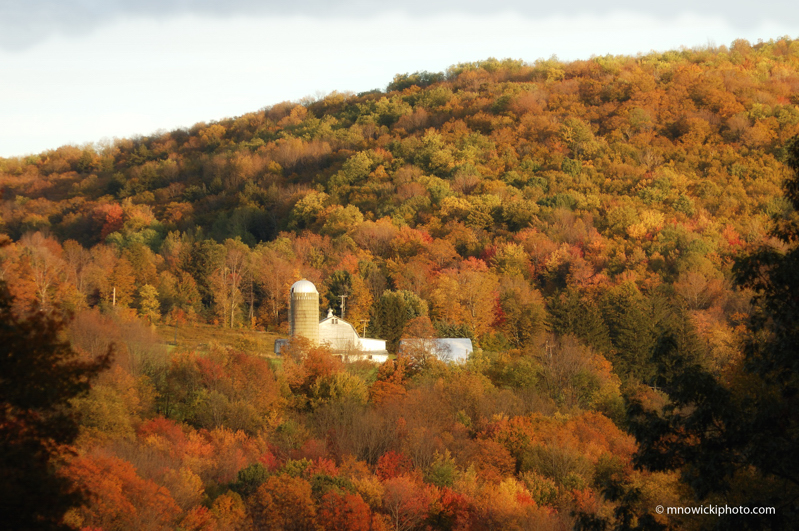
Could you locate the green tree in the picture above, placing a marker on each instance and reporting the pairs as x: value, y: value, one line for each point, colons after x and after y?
x: 338, y: 284
x: 391, y: 312
x: 39, y: 375
x: 571, y: 313
x: 632, y: 326
x: 205, y: 258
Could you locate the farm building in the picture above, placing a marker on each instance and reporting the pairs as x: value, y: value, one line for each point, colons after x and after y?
x: 451, y: 349
x: 333, y: 331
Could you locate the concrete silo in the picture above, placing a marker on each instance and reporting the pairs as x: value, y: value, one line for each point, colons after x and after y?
x: 304, y: 310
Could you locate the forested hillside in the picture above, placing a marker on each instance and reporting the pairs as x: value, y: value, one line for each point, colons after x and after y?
x: 578, y: 220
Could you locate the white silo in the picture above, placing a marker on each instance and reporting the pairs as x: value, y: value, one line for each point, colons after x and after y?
x: 304, y: 310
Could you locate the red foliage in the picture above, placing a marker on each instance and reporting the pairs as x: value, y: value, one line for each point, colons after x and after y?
x: 455, y: 511
x: 320, y: 363
x: 269, y: 461
x: 501, y: 316
x: 212, y: 371
x: 109, y: 218
x: 168, y: 429
x: 406, y: 502
x: 732, y: 236
x: 493, y: 461
x: 392, y: 464
x: 306, y: 363
x: 586, y: 500
x: 488, y: 253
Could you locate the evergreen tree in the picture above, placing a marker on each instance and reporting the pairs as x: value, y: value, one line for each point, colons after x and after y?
x: 572, y: 314
x: 632, y: 331
x: 677, y: 347
x: 391, y: 312
x: 388, y: 319
x: 338, y: 284
x: 39, y: 375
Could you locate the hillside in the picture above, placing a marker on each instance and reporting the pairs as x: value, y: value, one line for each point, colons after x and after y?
x: 537, y: 180
x: 595, y: 208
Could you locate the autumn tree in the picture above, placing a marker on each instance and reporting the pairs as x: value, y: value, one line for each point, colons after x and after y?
x: 344, y: 511
x: 228, y: 279
x: 149, y: 307
x: 179, y: 295
x: 523, y: 315
x: 77, y: 261
x: 274, y: 275
x: 121, y: 284
x: 390, y: 384
x: 406, y: 502
x: 45, y: 265
x: 283, y: 503
x: 467, y: 296
x: 119, y: 496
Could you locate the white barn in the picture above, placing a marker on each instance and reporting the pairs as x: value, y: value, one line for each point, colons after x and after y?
x: 343, y: 339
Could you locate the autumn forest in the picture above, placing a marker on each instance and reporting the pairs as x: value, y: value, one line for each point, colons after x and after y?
x: 616, y: 236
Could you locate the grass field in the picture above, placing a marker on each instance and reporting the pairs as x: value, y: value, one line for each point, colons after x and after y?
x: 200, y: 338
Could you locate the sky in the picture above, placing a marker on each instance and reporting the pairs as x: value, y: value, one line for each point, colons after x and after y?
x: 87, y: 71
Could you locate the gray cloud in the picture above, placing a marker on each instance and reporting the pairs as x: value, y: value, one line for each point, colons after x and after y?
x: 24, y: 23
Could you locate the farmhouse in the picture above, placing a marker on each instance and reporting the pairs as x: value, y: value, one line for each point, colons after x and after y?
x: 333, y: 331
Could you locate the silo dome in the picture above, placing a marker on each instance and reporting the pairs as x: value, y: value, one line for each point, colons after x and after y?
x: 303, y: 286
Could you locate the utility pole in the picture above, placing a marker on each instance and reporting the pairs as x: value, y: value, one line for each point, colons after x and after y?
x: 363, y: 322
x: 114, y: 302
x: 343, y: 304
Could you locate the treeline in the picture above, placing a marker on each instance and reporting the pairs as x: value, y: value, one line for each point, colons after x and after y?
x: 579, y: 221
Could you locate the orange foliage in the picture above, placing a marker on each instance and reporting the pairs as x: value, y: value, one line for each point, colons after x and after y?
x: 390, y: 382
x: 347, y: 512
x: 283, y: 503
x: 406, y: 502
x: 120, y: 497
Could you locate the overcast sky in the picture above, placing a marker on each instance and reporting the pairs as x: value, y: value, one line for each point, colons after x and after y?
x: 78, y: 71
